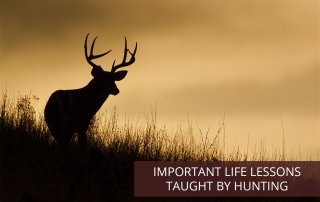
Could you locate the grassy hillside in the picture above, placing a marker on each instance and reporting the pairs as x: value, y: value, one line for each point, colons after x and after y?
x: 34, y: 167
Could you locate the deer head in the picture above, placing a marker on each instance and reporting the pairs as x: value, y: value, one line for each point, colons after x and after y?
x: 107, y: 79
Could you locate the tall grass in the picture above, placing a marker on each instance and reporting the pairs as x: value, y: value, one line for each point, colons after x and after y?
x: 33, y: 164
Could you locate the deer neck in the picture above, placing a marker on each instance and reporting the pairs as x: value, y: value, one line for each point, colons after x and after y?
x: 95, y: 96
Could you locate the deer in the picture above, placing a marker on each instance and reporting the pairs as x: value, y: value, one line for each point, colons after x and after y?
x: 69, y: 111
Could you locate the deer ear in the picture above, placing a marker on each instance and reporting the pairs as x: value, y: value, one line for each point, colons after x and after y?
x: 118, y: 76
x: 96, y: 70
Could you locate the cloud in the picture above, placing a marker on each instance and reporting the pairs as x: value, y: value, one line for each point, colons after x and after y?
x: 23, y: 20
x: 293, y: 95
x: 53, y: 18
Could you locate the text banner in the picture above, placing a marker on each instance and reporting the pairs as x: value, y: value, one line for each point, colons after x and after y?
x: 227, y: 179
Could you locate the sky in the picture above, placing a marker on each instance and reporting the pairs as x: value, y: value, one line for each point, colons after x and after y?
x: 254, y: 64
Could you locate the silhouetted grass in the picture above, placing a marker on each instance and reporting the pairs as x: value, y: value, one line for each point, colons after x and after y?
x: 34, y: 167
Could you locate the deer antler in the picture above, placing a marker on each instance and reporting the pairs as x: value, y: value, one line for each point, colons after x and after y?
x: 91, y: 56
x: 124, y: 63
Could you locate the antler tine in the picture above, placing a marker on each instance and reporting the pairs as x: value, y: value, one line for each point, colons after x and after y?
x: 125, y: 51
x: 91, y: 50
x: 135, y: 50
x: 91, y: 56
x: 124, y: 63
x: 86, y: 52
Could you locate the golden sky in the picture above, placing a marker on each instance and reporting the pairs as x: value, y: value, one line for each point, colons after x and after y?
x: 246, y: 60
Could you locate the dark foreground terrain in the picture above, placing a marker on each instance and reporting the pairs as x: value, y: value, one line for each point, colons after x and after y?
x: 35, y: 168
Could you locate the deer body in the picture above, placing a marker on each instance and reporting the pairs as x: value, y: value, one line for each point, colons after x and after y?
x: 70, y: 111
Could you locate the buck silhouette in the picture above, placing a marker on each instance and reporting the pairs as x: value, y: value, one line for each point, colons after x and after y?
x: 69, y: 111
